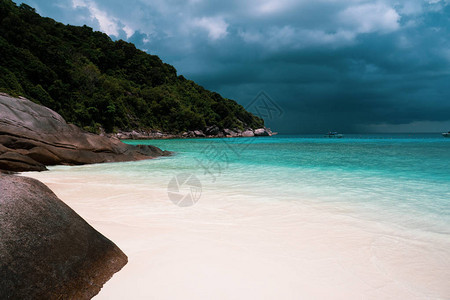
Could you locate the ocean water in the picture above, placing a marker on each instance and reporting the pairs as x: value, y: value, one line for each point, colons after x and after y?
x: 398, y: 178
x: 282, y: 217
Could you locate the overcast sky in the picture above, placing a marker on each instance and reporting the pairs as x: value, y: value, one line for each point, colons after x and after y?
x: 350, y: 66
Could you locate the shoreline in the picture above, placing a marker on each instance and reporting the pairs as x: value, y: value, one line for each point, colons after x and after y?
x: 208, y: 133
x: 232, y: 249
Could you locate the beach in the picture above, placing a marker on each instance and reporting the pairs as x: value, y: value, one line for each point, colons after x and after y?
x: 256, y: 239
x: 225, y: 150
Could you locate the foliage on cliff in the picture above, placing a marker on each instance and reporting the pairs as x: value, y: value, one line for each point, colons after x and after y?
x: 93, y: 81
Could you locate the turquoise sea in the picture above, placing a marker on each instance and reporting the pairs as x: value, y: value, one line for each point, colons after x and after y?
x: 398, y: 178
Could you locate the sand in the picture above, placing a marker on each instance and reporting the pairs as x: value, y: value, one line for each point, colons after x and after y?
x: 228, y: 246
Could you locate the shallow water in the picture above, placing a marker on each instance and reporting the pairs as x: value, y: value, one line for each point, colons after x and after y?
x: 283, y: 217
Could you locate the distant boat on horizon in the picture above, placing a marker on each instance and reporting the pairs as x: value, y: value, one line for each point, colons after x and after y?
x: 446, y: 134
x: 334, y: 134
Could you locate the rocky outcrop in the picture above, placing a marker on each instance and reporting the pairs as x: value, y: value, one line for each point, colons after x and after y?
x: 32, y: 136
x: 263, y: 132
x: 17, y: 162
x: 47, y: 251
x: 248, y: 133
x: 230, y: 133
x: 199, y: 133
x: 210, y: 132
x: 141, y: 135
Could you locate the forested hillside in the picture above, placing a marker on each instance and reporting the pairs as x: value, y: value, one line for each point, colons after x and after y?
x: 93, y: 81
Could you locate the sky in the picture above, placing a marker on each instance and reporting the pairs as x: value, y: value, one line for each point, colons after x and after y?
x: 306, y: 66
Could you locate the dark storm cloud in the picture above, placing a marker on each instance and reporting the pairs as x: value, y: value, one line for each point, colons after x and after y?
x: 344, y: 65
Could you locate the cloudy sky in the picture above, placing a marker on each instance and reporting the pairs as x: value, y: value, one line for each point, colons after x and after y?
x: 345, y: 65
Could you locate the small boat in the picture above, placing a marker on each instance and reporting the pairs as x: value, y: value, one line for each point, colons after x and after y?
x: 446, y: 134
x: 333, y: 134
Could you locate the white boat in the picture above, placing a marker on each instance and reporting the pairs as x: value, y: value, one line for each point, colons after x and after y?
x: 333, y: 134
x: 446, y: 134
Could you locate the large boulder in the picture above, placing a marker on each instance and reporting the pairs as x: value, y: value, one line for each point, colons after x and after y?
x: 38, y: 133
x: 263, y: 132
x: 47, y: 251
x: 199, y: 133
x: 212, y: 130
x: 17, y: 162
x: 230, y: 133
x: 248, y: 133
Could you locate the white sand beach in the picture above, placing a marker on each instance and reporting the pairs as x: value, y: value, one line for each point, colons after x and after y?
x: 231, y: 247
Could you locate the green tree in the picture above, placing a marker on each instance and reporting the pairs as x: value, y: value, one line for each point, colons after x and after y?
x: 93, y: 81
